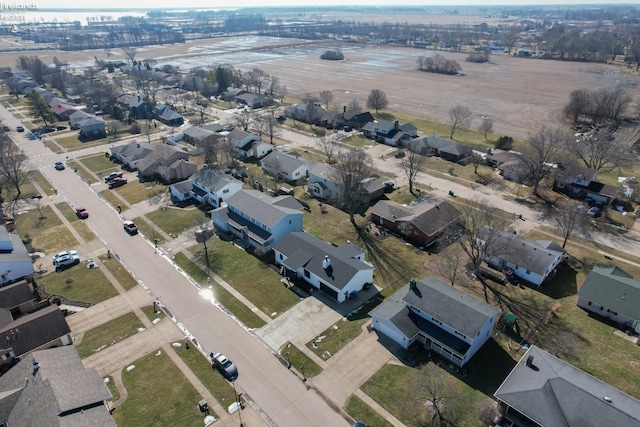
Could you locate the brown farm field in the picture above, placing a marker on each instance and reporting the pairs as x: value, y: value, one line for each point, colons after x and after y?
x: 520, y: 94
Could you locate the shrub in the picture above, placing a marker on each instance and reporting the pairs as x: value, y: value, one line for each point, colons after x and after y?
x: 135, y: 128
x: 332, y: 55
x: 504, y: 143
x: 438, y: 64
x: 478, y: 57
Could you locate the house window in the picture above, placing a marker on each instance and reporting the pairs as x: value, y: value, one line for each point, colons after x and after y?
x: 307, y: 274
x: 281, y: 257
x: 289, y: 222
x: 589, y: 303
x: 225, y: 191
x: 528, y: 272
x: 516, y: 267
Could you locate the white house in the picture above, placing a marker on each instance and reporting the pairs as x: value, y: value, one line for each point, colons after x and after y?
x: 439, y: 316
x: 242, y: 143
x: 15, y: 261
x: 321, y: 182
x: 260, y: 149
x: 285, y: 166
x: 339, y: 271
x: 531, y: 260
x: 207, y: 186
x: 257, y: 219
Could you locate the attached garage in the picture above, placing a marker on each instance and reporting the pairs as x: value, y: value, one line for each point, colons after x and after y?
x: 329, y: 290
x: 386, y: 328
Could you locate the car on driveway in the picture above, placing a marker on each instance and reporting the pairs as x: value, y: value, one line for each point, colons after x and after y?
x: 59, y: 166
x: 130, y: 227
x: 112, y: 175
x: 64, y: 254
x: 20, y: 128
x: 65, y: 259
x: 61, y: 127
x: 5, y: 128
x: 225, y: 366
x: 117, y: 182
x: 82, y: 213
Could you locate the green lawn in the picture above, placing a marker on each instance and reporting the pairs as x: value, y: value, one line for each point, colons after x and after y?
x: 152, y: 232
x: 231, y: 303
x: 71, y: 142
x: 88, y: 285
x: 113, y: 200
x: 121, y: 274
x: 362, y: 412
x: 48, y: 234
x: 134, y: 192
x: 108, y: 334
x: 85, y: 174
x: 158, y: 395
x: 249, y: 275
x: 174, y: 221
x: 99, y: 164
x: 37, y: 176
x: 151, y: 313
x: 112, y: 388
x: 298, y: 359
x: 200, y: 365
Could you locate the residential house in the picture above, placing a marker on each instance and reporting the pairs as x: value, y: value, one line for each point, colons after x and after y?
x: 196, y: 135
x: 231, y: 93
x: 15, y: 261
x: 76, y: 117
x: 331, y: 119
x: 288, y: 167
x: 530, y: 260
x: 372, y: 188
x: 160, y: 164
x: 612, y: 293
x: 542, y: 390
x: 257, y: 219
x: 135, y: 106
x: 509, y: 164
x: 253, y: 100
x: 18, y: 299
x: 446, y: 149
x: 208, y: 186
x: 242, y: 143
x: 579, y: 183
x: 259, y: 149
x: 92, y: 127
x: 63, y: 110
x: 419, y: 223
x: 323, y: 185
x: 53, y: 388
x: 441, y: 317
x: 339, y: 271
x: 389, y: 133
x: 129, y: 154
x: 167, y: 115
x: 38, y: 330
x: 356, y: 119
x: 305, y: 112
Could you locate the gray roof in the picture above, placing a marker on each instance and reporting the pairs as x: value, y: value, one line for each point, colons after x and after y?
x: 553, y: 393
x: 263, y: 208
x: 34, y: 330
x: 133, y: 151
x: 15, y: 294
x: 323, y: 170
x: 213, y: 127
x: 60, y: 393
x: 428, y: 216
x: 308, y: 251
x: 183, y: 187
x: 198, y: 133
x: 213, y: 179
x: 284, y: 162
x: 18, y: 252
x: 532, y: 255
x: 612, y: 288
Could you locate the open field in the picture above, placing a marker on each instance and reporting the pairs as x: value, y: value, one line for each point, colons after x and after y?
x: 521, y: 94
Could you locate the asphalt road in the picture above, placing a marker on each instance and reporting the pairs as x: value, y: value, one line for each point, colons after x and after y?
x: 283, y: 398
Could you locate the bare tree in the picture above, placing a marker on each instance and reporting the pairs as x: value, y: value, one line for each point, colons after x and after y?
x: 486, y: 126
x: 329, y: 148
x: 13, y: 166
x: 569, y: 217
x: 509, y: 39
x: 411, y: 164
x: 113, y: 126
x: 260, y: 124
x: 272, y: 130
x: 211, y: 151
x: 351, y: 168
x: 542, y: 153
x: 244, y: 119
x: 130, y: 52
x: 147, y: 130
x: 599, y: 150
x: 580, y: 104
x: 354, y: 105
x: 326, y: 97
x: 257, y: 78
x: 377, y: 100
x: 202, y: 232
x: 448, y: 266
x: 459, y: 116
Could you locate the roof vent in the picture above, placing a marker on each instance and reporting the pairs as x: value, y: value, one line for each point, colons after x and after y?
x: 607, y: 399
x: 326, y: 263
x: 529, y: 361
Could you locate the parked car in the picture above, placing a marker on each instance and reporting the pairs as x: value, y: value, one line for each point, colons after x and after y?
x: 347, y: 128
x: 130, y: 227
x: 82, y: 213
x: 64, y: 254
x: 399, y: 154
x: 61, y: 127
x: 117, y: 182
x: 5, y: 128
x: 110, y: 176
x: 59, y: 166
x: 20, y: 128
x: 68, y: 259
x: 48, y: 130
x: 225, y: 366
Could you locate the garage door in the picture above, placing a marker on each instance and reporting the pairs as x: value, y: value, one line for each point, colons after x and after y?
x: 330, y: 291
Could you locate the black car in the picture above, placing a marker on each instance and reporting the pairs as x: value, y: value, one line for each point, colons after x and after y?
x: 61, y: 127
x: 225, y: 366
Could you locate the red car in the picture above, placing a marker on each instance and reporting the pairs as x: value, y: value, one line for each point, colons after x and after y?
x: 117, y: 182
x: 82, y: 213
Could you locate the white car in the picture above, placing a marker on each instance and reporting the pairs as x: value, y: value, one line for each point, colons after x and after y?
x: 63, y: 254
x: 66, y: 261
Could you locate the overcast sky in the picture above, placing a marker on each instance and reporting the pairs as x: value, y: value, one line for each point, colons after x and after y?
x: 219, y: 4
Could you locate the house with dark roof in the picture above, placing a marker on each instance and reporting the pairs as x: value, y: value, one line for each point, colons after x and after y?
x: 357, y: 119
x: 542, y: 390
x: 288, y: 167
x: 531, y: 260
x: 52, y: 388
x: 305, y: 112
x: 231, y: 93
x: 18, y: 298
x: 208, y: 186
x: 135, y: 105
x: 92, y: 127
x: 129, y: 154
x: 253, y: 100
x: 38, y: 330
x: 15, y: 261
x: 257, y: 219
x: 389, y: 133
x: 438, y: 316
x: 242, y: 143
x: 167, y: 115
x: 165, y: 163
x: 76, y: 117
x: 443, y: 148
x: 581, y: 183
x: 197, y: 135
x: 339, y: 271
x: 612, y: 293
x: 418, y: 223
x: 322, y: 184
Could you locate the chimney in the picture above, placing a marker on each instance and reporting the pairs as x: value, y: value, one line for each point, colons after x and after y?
x: 413, y: 285
x: 344, y: 108
x: 433, y: 134
x: 396, y: 125
x: 529, y: 361
x: 326, y: 263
